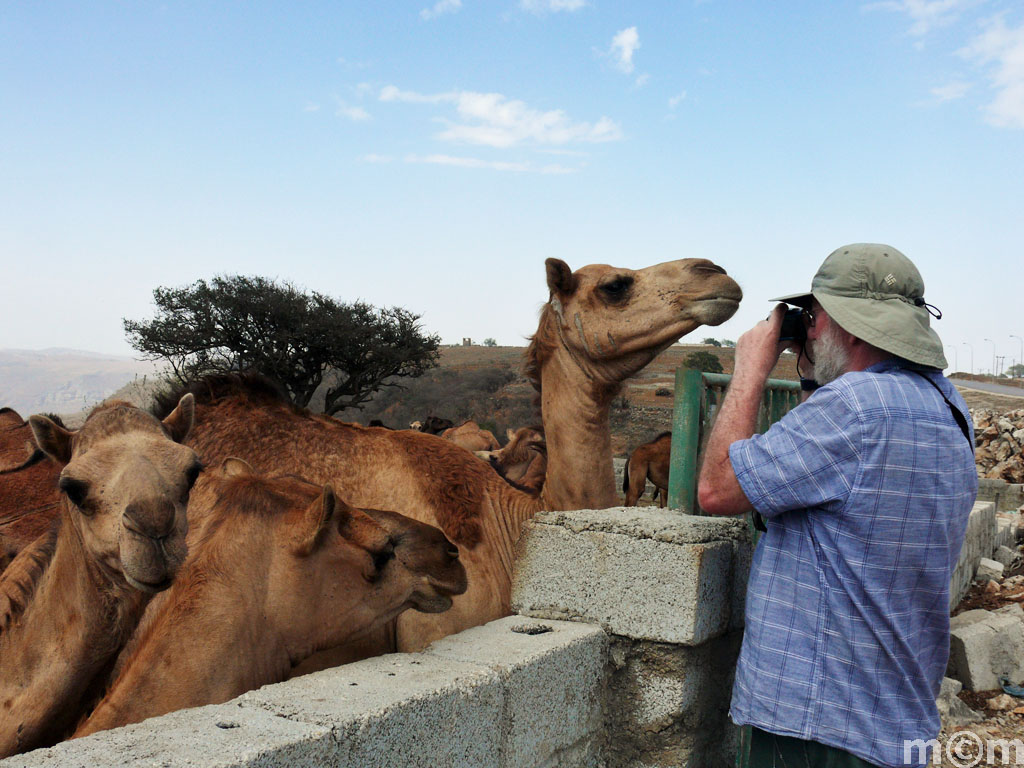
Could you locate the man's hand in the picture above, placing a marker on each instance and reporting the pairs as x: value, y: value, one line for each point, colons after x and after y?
x: 758, y: 350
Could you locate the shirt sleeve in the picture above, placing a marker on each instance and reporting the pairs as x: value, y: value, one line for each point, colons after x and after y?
x: 807, y: 459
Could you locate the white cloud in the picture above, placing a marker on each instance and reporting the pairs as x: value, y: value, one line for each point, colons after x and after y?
x: 551, y: 6
x: 355, y: 114
x: 440, y: 8
x: 311, y: 107
x: 675, y: 101
x: 925, y: 15
x: 951, y: 91
x: 372, y: 158
x: 624, y: 45
x: 491, y: 119
x: 1001, y: 49
x: 493, y: 165
x: 642, y: 80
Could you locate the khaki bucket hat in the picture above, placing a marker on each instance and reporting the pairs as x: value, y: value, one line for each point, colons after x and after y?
x: 876, y: 293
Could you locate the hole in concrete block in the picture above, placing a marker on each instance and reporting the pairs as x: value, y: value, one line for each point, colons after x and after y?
x: 227, y: 724
x: 531, y: 629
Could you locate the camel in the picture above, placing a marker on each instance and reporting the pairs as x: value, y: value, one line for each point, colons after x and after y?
x: 649, y: 461
x: 29, y: 497
x: 472, y: 437
x: 601, y: 326
x: 435, y: 425
x: 281, y: 568
x: 70, y: 600
x: 523, y: 461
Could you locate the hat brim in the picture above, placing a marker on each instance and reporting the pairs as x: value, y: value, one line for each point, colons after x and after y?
x: 797, y: 299
x: 890, y: 324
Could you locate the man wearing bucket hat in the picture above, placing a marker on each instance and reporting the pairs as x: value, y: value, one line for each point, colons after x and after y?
x: 865, y: 489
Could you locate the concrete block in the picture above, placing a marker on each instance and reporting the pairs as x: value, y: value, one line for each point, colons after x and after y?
x: 979, y: 542
x: 677, y: 571
x: 552, y: 675
x: 989, y: 569
x: 222, y: 736
x: 668, y: 704
x: 413, y: 710
x: 986, y: 645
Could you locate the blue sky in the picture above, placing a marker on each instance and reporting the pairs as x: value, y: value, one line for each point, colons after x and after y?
x: 432, y: 155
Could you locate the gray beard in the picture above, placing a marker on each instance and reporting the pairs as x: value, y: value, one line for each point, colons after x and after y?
x: 831, y: 358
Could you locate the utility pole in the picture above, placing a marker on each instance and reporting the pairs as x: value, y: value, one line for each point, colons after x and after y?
x: 971, y: 347
x: 992, y: 370
x: 1018, y: 338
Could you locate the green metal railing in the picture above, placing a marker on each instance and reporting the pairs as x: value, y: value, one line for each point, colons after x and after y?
x: 697, y: 400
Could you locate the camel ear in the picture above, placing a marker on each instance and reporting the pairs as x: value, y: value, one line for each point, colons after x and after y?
x: 179, y: 421
x: 510, y: 434
x: 317, y: 517
x: 52, y: 439
x: 234, y: 467
x: 560, y: 278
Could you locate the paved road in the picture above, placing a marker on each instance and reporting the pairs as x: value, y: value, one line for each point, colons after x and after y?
x: 984, y: 386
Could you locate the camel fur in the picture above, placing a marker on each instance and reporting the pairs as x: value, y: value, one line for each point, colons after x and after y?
x: 280, y: 569
x: 69, y: 601
x: 649, y: 461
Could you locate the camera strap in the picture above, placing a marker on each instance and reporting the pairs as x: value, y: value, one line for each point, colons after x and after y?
x: 958, y: 416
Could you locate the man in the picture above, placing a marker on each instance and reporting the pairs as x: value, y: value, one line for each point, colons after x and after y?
x: 865, y: 489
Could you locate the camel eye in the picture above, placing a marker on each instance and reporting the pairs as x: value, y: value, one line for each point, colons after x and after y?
x: 75, y: 490
x: 617, y: 289
x: 383, y: 557
x: 193, y: 474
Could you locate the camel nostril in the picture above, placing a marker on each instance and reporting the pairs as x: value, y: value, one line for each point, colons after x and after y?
x: 154, y: 521
x: 710, y: 267
x: 453, y: 552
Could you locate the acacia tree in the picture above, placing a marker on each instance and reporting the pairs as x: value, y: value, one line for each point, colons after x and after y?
x: 300, y: 339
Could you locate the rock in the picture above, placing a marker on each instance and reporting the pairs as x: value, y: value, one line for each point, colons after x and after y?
x: 987, y: 645
x: 1001, y: 703
x: 952, y: 709
x: 992, y: 587
x: 1005, y: 555
x: 988, y: 569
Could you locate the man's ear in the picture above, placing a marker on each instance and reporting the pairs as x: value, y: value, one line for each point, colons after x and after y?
x: 561, y: 280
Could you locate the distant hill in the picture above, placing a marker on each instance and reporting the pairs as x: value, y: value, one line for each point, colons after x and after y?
x: 63, y: 381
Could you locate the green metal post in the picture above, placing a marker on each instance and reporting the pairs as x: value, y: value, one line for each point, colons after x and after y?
x: 682, y: 478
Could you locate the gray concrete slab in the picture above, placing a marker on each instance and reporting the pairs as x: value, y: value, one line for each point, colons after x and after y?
x: 222, y: 736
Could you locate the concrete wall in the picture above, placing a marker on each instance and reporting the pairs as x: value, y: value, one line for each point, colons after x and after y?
x: 621, y: 654
x: 641, y: 675
x: 1008, y: 496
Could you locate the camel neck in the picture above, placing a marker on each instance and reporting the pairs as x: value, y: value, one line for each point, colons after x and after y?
x: 199, y: 650
x: 53, y: 655
x: 575, y: 412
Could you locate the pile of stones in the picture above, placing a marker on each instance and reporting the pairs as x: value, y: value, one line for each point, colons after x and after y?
x: 999, y: 440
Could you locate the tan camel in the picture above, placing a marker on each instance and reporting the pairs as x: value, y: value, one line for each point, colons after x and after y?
x: 29, y: 497
x: 600, y: 327
x: 282, y: 568
x: 70, y: 600
x: 523, y: 461
x: 649, y: 461
x: 472, y: 437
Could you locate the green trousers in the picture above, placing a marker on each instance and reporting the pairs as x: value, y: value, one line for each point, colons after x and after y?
x: 769, y: 750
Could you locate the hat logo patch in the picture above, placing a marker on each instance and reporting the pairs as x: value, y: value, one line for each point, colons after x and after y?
x: 890, y: 280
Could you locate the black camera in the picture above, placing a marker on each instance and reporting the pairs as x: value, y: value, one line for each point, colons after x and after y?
x: 793, y: 328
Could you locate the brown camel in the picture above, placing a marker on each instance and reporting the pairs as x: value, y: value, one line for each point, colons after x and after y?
x: 523, y: 461
x: 600, y: 327
x: 70, y: 600
x: 29, y: 497
x: 649, y: 461
x: 281, y: 568
x: 472, y: 437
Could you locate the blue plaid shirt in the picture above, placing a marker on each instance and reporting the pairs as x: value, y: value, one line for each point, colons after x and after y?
x: 865, y: 488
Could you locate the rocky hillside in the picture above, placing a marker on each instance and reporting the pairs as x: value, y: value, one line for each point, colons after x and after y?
x: 63, y: 381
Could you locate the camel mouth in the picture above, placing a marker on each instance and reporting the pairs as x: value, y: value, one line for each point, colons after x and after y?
x: 149, y: 587
x: 715, y: 310
x: 436, y: 603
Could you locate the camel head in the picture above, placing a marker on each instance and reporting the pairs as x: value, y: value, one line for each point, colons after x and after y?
x: 613, y: 321
x: 333, y: 571
x: 126, y: 480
